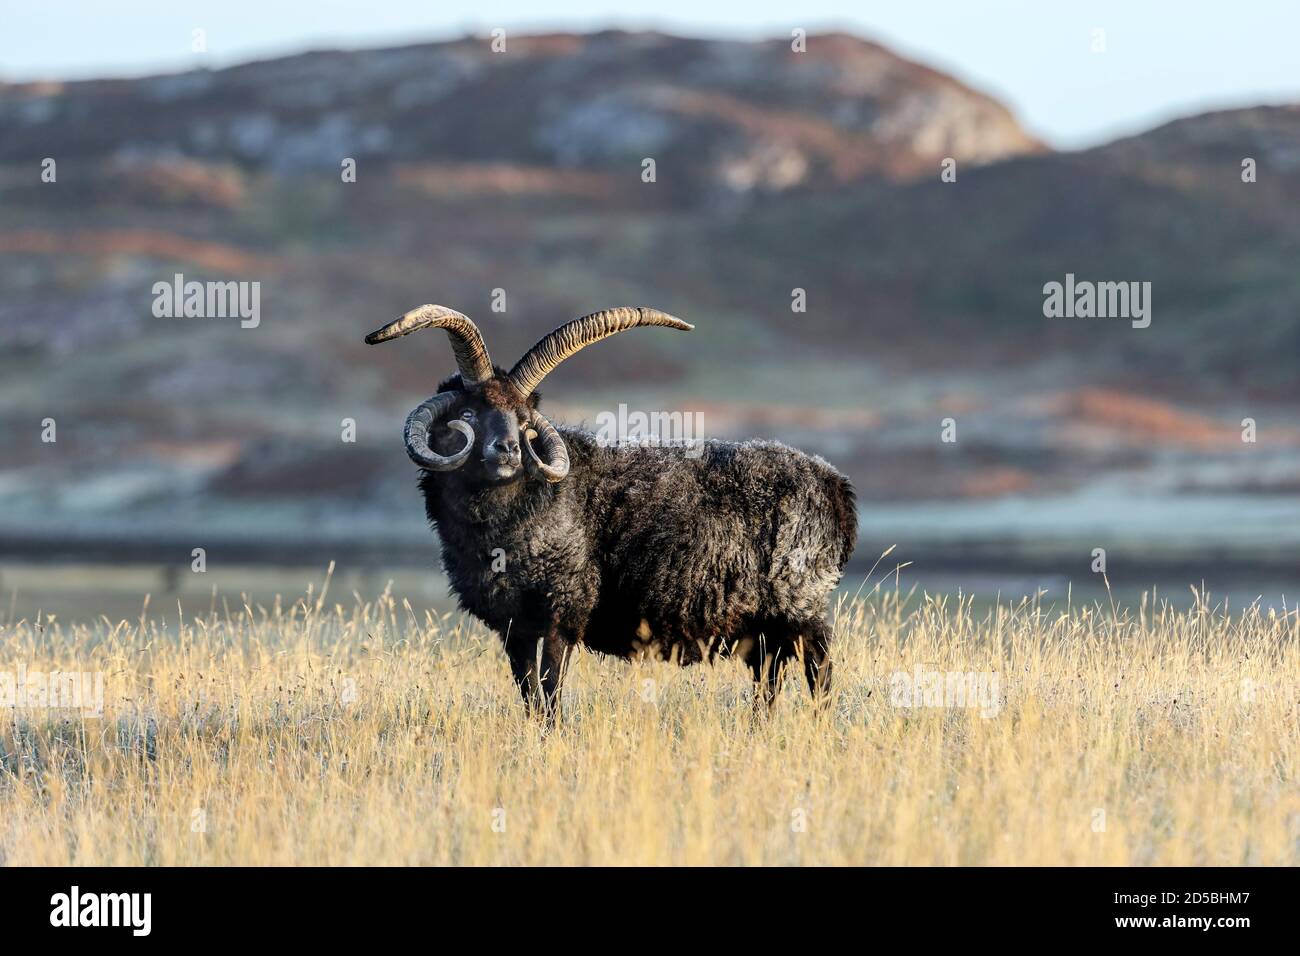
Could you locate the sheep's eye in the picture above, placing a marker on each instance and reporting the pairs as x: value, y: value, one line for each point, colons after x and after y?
x: 467, y: 415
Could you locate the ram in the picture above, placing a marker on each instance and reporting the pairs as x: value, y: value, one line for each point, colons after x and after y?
x: 552, y: 537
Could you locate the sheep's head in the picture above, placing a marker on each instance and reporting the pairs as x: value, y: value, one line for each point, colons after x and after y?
x: 493, y: 413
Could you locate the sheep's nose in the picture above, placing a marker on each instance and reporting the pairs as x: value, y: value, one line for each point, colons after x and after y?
x: 503, y: 449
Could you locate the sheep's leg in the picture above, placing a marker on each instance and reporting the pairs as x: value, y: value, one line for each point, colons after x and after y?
x: 815, y: 646
x: 556, y: 653
x: 767, y: 666
x: 523, y: 665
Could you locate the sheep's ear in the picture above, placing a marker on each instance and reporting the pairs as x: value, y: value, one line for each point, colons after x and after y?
x: 534, y: 399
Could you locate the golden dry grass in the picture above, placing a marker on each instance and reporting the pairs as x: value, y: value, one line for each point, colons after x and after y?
x: 319, y: 733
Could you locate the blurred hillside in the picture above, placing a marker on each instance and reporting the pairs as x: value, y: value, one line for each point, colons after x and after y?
x: 522, y: 172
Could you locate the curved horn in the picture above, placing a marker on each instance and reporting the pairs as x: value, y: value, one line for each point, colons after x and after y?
x: 577, y: 335
x: 553, y: 464
x: 416, y: 434
x: 466, y: 341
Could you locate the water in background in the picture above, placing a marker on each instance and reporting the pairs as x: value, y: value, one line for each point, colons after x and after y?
x: 87, y: 594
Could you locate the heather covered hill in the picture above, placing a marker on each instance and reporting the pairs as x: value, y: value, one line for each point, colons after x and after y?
x: 904, y: 265
x: 718, y: 116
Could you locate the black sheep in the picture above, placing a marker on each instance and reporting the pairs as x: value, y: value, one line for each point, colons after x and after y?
x: 678, y: 551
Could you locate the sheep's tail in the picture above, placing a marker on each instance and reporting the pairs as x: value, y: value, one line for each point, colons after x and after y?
x: 844, y: 509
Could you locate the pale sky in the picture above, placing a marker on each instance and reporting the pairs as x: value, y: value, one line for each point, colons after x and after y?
x: 1162, y: 59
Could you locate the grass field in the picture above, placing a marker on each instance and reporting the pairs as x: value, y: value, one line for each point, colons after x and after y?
x: 323, y: 731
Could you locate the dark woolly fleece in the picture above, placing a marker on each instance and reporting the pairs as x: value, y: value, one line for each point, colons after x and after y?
x: 646, y: 550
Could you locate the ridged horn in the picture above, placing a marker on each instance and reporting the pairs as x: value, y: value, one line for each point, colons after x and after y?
x: 553, y: 463
x: 466, y: 341
x: 575, y: 336
x: 416, y: 434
